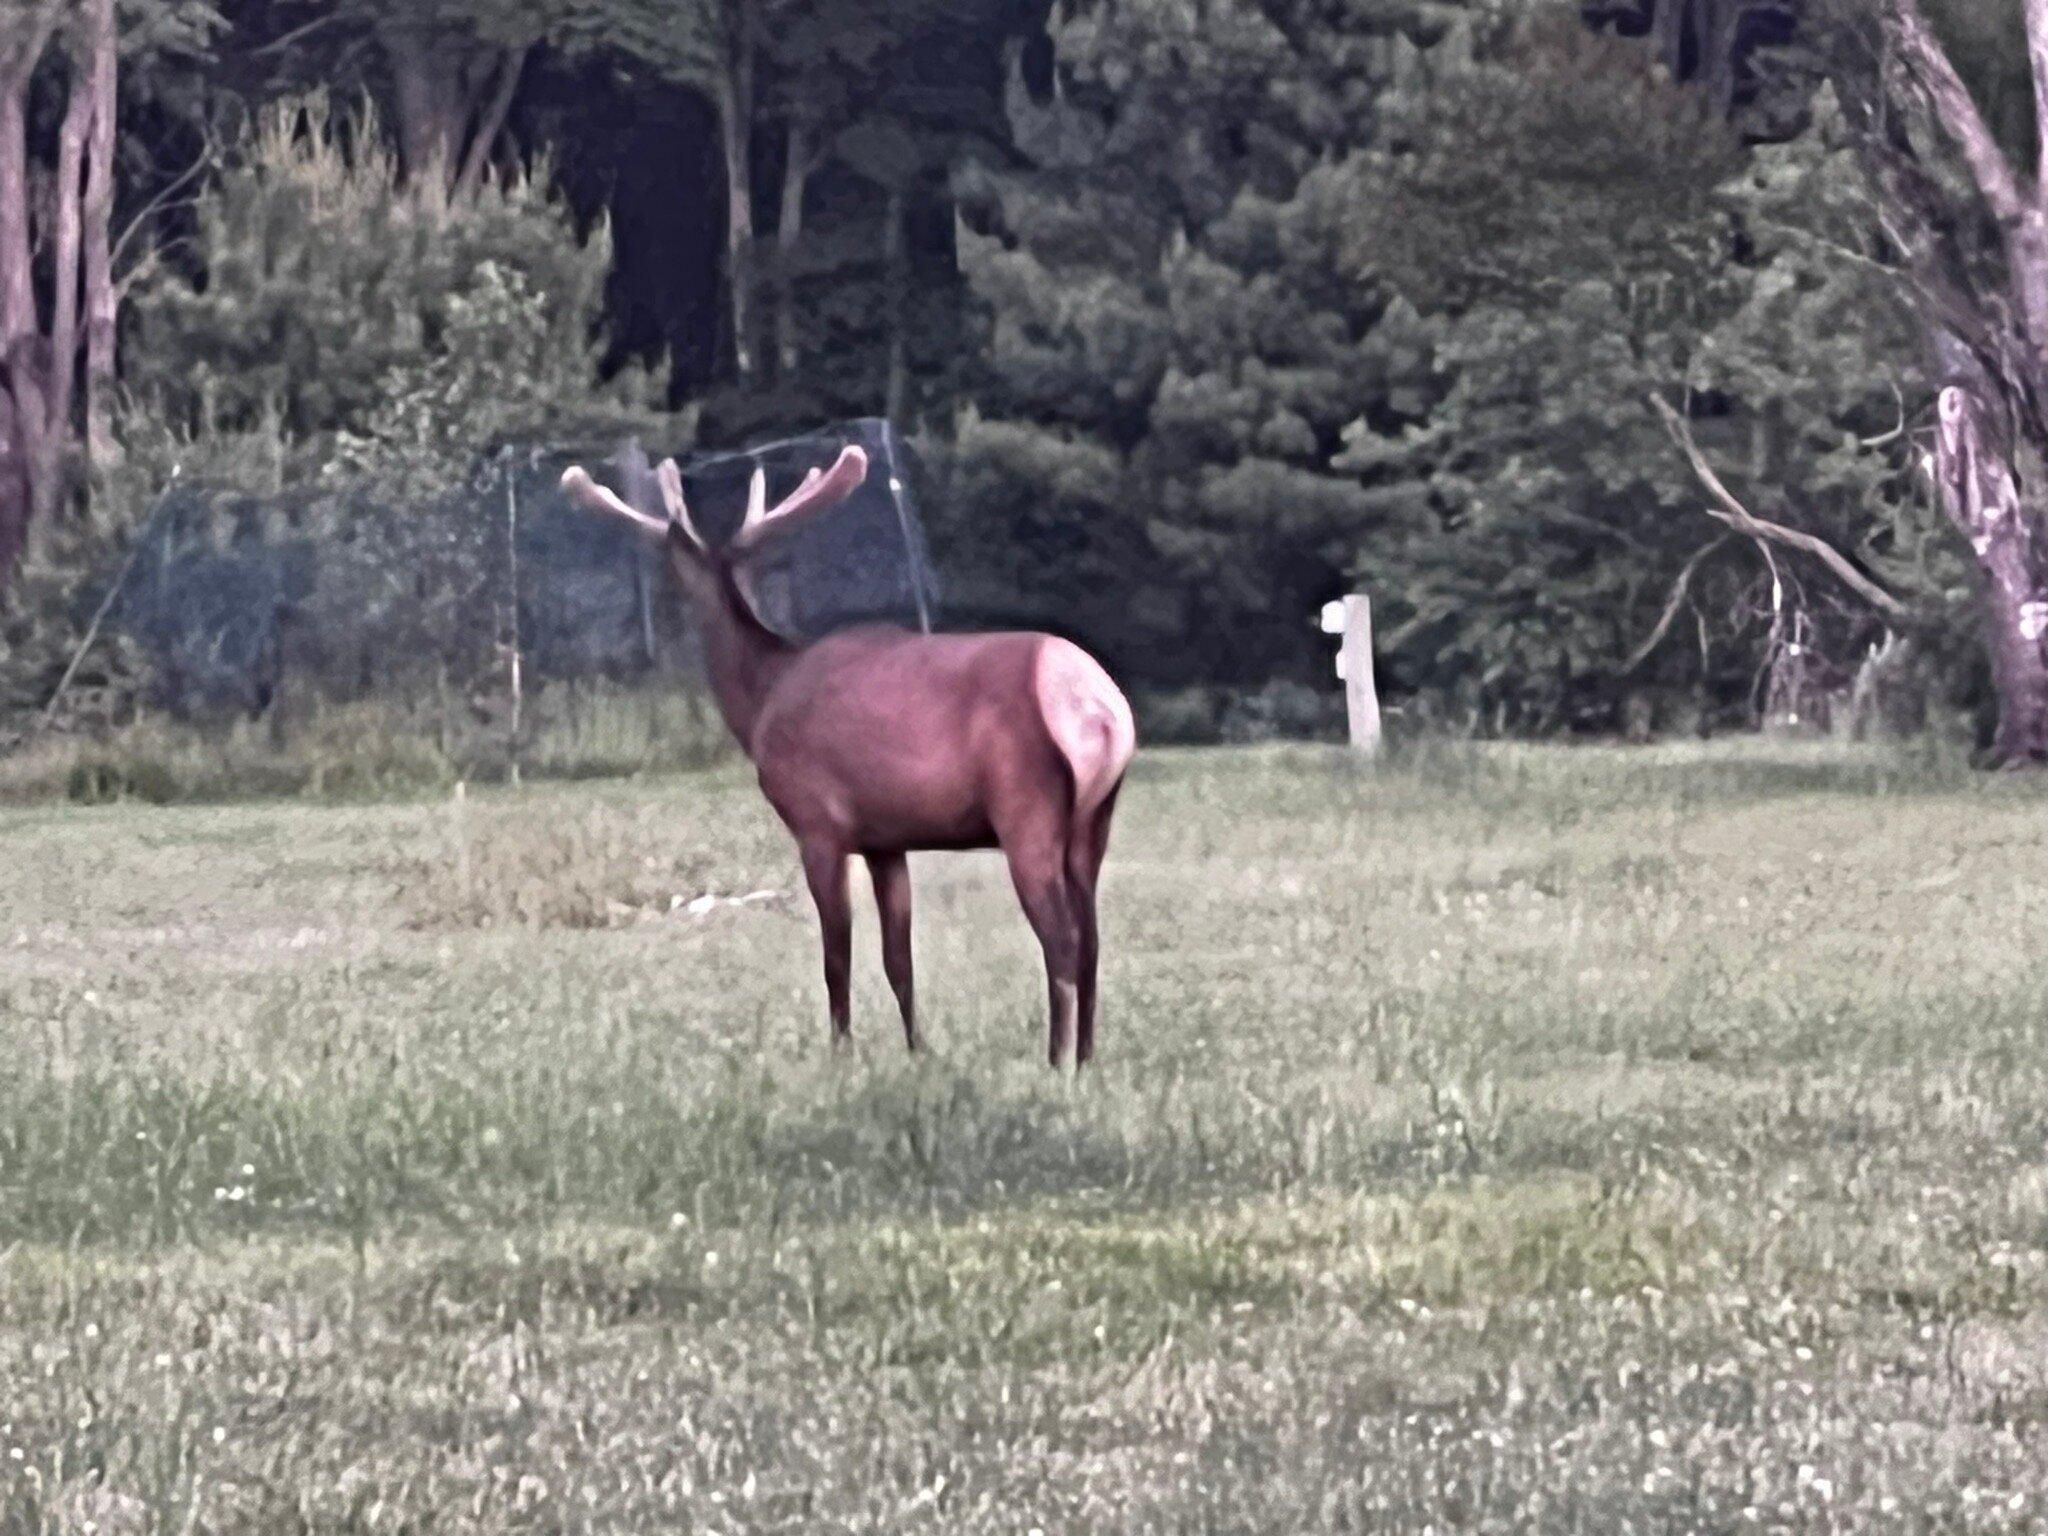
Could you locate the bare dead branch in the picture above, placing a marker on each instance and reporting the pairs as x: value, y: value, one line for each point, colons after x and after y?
x: 164, y: 200
x: 1728, y: 509
x: 91, y: 638
x: 1884, y: 439
x: 492, y: 122
x: 1675, y: 605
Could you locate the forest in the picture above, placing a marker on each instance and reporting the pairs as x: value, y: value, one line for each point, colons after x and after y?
x: 1657, y: 366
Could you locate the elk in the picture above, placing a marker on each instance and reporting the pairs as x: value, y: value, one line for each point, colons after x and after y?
x: 879, y: 741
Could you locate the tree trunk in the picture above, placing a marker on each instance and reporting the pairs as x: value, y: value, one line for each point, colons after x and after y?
x: 17, y: 272
x: 19, y: 327
x: 789, y: 229
x: 67, y: 208
x: 1981, y: 493
x: 735, y: 130
x: 67, y: 224
x: 450, y: 97
x: 2017, y: 621
x: 899, y: 320
x: 14, y: 486
x: 97, y: 274
x: 425, y: 102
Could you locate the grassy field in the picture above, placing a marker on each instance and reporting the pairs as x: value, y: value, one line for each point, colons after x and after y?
x: 1510, y: 1140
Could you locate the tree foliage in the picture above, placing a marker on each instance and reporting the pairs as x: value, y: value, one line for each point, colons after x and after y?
x: 1608, y: 243
x: 325, y: 296
x: 1404, y: 319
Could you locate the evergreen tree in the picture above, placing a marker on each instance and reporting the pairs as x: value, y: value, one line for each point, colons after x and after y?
x: 1174, y: 352
x: 320, y: 289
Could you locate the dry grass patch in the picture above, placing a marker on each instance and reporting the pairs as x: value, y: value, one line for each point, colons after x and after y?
x: 596, y: 866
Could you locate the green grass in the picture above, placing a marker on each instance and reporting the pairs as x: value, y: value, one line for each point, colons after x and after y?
x: 1511, y: 1139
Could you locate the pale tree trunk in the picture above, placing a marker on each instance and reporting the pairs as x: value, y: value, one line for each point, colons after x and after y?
x: 735, y: 95
x: 39, y: 360
x: 20, y: 400
x: 68, y: 211
x: 17, y: 271
x: 789, y: 230
x: 1989, y: 340
x: 1982, y: 495
x: 102, y: 299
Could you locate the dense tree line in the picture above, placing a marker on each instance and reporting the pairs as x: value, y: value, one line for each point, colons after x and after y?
x: 1598, y: 340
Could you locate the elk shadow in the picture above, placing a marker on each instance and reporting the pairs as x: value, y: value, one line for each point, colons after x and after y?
x: 927, y: 1138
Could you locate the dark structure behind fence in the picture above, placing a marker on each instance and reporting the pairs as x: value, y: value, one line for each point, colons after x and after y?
x: 233, y: 597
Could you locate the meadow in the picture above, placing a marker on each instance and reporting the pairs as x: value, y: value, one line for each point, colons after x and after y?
x: 1508, y: 1139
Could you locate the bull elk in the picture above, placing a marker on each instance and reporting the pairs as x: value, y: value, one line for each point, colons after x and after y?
x: 878, y: 741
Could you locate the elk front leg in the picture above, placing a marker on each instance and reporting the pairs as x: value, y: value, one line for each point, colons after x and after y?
x: 891, y: 872
x: 825, y: 870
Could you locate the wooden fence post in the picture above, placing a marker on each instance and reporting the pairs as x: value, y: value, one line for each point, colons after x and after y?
x: 1352, y: 618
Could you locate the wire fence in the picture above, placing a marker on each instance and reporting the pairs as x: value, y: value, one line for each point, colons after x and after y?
x: 234, y: 600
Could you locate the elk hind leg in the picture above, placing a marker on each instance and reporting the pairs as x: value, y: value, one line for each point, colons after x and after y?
x: 1085, y: 852
x: 1038, y: 870
x: 891, y: 872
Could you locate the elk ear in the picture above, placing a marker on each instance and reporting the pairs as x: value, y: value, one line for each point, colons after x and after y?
x: 820, y: 492
x: 746, y: 586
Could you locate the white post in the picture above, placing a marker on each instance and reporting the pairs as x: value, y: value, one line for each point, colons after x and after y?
x: 518, y: 671
x: 1352, y: 618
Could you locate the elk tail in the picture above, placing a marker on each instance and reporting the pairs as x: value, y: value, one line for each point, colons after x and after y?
x: 1089, y: 721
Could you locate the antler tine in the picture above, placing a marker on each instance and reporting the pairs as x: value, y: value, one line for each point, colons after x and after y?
x: 821, y: 489
x: 670, y: 478
x: 757, y: 505
x: 579, y: 487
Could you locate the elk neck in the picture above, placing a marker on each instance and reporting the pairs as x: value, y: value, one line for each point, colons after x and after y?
x: 743, y: 658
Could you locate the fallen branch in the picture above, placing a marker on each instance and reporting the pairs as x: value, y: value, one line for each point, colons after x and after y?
x: 1676, y: 605
x: 92, y: 634
x: 1727, y: 509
